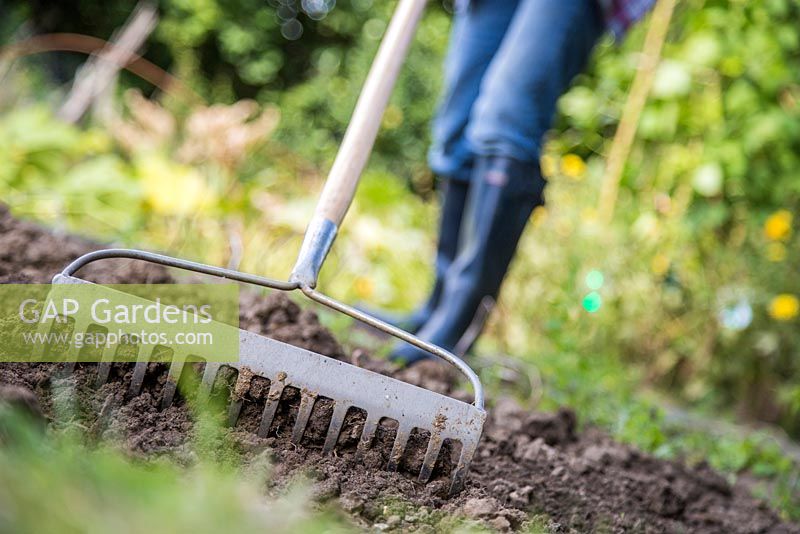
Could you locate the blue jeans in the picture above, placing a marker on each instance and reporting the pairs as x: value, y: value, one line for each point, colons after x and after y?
x: 509, y: 62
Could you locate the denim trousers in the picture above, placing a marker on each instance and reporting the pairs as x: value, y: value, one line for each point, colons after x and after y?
x: 508, y: 63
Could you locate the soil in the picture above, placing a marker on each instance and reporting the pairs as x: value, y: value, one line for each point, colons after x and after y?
x: 528, y: 462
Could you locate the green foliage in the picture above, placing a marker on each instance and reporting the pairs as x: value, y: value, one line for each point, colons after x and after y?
x: 56, y: 484
x: 58, y: 164
x: 726, y: 94
x: 316, y: 111
x: 717, y: 148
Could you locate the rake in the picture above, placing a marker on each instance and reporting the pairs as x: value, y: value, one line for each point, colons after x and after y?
x: 315, y: 375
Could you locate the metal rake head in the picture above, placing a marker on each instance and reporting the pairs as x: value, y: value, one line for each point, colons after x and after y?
x: 315, y: 376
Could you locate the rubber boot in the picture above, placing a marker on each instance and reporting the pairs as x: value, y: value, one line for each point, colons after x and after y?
x: 454, y: 199
x: 504, y: 193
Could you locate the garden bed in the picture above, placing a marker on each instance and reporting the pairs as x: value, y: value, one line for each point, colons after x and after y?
x: 528, y: 463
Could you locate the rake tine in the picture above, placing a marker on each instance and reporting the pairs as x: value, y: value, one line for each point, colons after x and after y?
x: 434, y: 446
x: 460, y: 473
x: 140, y: 369
x: 271, y: 406
x: 370, y: 427
x: 171, y: 386
x: 307, y: 401
x: 207, y: 382
x: 335, y: 428
x: 71, y: 357
x: 67, y: 369
x: 104, y: 367
x: 235, y: 405
x: 169, y: 393
x: 137, y: 380
x: 399, y: 447
x: 103, y: 370
x: 42, y: 329
x: 234, y: 409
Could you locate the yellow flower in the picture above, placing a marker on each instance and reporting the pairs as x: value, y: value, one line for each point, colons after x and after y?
x: 573, y: 166
x: 548, y: 164
x: 660, y: 264
x: 392, y: 117
x: 93, y: 141
x: 776, y: 252
x: 589, y: 215
x: 778, y: 226
x: 784, y: 307
x: 538, y: 216
x: 173, y: 189
x: 364, y: 287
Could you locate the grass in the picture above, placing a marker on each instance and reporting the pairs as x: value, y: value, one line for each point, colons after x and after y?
x: 56, y: 483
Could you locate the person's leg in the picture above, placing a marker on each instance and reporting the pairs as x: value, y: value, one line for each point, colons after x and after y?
x: 545, y: 46
x: 477, y: 32
x: 453, y: 199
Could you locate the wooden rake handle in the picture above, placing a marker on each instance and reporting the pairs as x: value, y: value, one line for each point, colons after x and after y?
x: 340, y: 186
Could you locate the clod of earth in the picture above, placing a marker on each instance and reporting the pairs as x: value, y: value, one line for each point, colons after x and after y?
x: 527, y: 463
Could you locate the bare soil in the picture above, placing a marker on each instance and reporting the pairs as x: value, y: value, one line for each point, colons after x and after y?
x: 528, y: 462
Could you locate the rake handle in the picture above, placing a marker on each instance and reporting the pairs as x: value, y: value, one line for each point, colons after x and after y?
x: 340, y: 186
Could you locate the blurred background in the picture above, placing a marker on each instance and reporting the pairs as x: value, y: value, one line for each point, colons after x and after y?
x: 666, y: 313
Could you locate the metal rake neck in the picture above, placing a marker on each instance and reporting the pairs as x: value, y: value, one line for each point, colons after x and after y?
x: 280, y: 285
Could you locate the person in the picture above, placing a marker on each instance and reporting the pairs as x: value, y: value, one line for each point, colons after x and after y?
x: 509, y: 61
